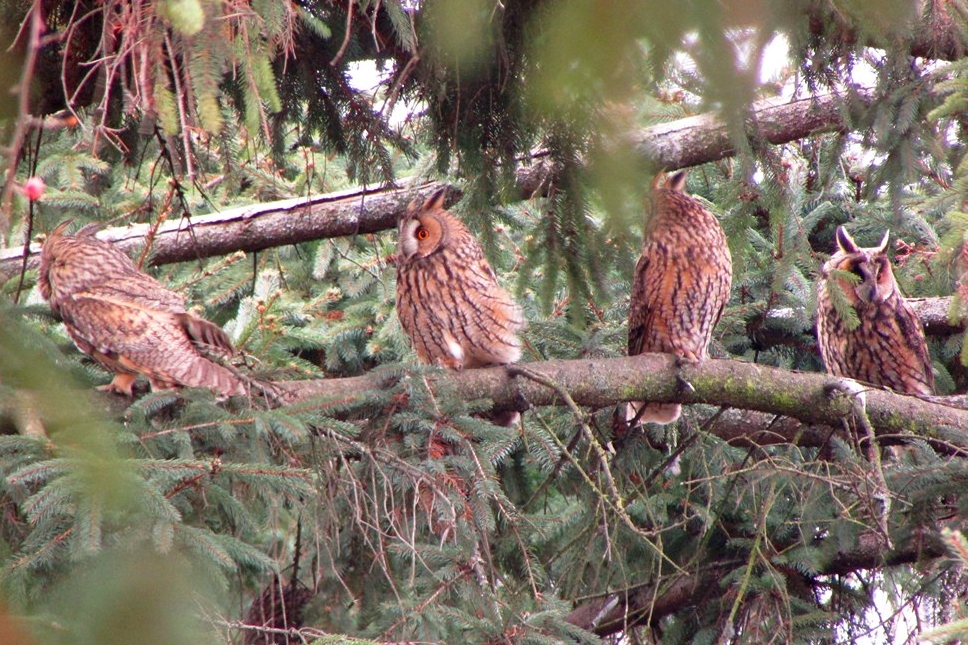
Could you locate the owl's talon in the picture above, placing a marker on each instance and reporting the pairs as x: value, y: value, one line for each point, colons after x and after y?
x: 682, y: 385
x: 121, y: 384
x: 686, y: 358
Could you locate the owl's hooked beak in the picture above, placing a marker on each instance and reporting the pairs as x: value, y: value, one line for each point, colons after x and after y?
x: 877, y: 282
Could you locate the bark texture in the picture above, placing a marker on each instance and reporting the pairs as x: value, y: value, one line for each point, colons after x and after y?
x: 810, y: 398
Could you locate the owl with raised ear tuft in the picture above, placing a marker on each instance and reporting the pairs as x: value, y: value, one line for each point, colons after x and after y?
x: 449, y: 301
x: 883, y: 343
x: 681, y: 284
x: 128, y: 321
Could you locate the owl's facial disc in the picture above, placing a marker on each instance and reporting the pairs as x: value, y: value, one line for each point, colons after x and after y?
x: 419, y: 236
x: 876, y: 279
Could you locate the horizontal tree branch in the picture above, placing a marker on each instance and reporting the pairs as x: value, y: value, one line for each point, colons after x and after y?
x: 679, y: 144
x: 935, y: 35
x: 647, y: 604
x: 255, y: 227
x: 703, y: 138
x: 810, y: 398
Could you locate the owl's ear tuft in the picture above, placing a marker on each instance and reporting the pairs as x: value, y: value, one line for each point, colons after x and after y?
x: 60, y: 228
x: 88, y: 230
x: 882, y: 247
x: 436, y: 201
x: 845, y: 242
x: 677, y: 182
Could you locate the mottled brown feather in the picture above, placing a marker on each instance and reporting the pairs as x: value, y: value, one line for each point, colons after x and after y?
x: 128, y: 321
x: 888, y: 347
x: 681, y: 283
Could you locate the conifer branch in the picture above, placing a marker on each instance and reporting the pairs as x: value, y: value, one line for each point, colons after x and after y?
x: 647, y: 604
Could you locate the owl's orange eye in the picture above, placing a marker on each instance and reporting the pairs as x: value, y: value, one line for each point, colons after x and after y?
x: 422, y: 234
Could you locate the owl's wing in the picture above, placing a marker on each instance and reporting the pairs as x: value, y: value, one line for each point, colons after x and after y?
x: 143, y: 290
x: 149, y: 296
x: 205, y: 335
x: 831, y: 330
x: 920, y: 359
x: 638, y: 307
x: 493, y: 320
x: 126, y: 334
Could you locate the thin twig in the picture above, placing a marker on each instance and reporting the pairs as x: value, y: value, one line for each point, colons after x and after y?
x: 882, y: 493
x: 613, y: 499
x: 180, y: 93
x: 30, y: 216
x: 402, y: 77
x: 346, y: 36
x: 37, y: 27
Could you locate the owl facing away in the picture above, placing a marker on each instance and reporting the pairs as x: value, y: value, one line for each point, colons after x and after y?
x: 448, y: 299
x: 887, y: 347
x: 127, y: 320
x: 681, y: 284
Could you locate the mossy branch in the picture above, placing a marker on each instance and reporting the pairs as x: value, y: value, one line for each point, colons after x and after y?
x: 812, y: 399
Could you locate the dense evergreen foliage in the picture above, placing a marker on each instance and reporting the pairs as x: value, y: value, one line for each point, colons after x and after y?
x: 403, y: 515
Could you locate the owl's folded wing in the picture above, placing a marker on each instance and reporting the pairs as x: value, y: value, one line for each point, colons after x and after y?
x: 129, y: 336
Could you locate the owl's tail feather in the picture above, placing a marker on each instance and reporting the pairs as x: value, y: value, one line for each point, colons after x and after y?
x: 206, y: 334
x: 225, y: 380
x: 661, y: 413
x: 230, y: 382
x: 212, y: 342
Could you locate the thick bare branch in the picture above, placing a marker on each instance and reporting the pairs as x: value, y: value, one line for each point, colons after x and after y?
x: 257, y: 227
x: 779, y: 326
x: 678, y: 144
x: 703, y: 138
x: 810, y: 398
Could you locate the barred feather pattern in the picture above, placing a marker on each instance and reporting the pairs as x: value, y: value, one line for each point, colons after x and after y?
x: 888, y: 346
x: 449, y: 301
x: 128, y: 321
x: 681, y: 284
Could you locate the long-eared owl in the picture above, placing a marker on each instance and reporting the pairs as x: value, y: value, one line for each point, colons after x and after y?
x: 128, y: 321
x: 448, y: 299
x: 681, y: 284
x: 887, y: 346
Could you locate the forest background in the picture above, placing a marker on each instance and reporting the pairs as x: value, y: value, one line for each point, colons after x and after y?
x: 378, y: 507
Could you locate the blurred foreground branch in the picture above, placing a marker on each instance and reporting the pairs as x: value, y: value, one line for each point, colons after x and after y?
x: 679, y: 144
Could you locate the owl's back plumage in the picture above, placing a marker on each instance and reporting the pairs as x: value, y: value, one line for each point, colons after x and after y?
x: 681, y: 284
x: 449, y: 301
x: 887, y: 347
x: 128, y: 321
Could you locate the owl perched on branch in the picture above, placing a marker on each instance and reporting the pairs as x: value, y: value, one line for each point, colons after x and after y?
x: 448, y: 299
x: 681, y: 284
x: 865, y: 328
x: 127, y: 320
